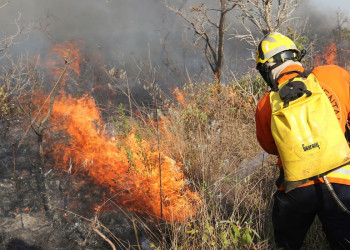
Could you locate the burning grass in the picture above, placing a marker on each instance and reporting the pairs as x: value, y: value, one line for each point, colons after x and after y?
x: 215, y: 130
x: 127, y: 165
x: 213, y: 134
x: 193, y: 169
x: 186, y: 172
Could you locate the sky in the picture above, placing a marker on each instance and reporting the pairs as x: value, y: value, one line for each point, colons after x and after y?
x: 330, y: 6
x: 334, y: 4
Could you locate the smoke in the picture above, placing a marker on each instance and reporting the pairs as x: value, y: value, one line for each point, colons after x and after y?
x: 317, y: 18
x: 129, y: 25
x: 145, y: 30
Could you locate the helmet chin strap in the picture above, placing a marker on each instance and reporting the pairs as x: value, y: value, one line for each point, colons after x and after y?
x: 302, y: 54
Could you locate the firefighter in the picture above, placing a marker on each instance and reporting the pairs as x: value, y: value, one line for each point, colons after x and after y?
x: 296, y: 205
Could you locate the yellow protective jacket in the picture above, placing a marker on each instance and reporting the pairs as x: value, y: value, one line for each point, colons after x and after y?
x: 335, y: 81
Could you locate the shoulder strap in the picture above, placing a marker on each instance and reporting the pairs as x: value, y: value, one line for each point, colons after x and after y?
x: 304, y: 74
x: 295, y: 88
x: 288, y: 73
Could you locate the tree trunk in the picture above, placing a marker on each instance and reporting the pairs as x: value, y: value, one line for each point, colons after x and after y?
x: 221, y: 37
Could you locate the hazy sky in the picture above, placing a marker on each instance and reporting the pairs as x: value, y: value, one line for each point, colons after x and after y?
x: 128, y: 24
x: 332, y: 5
x: 133, y: 27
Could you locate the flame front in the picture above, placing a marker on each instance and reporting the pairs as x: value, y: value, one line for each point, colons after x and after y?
x: 66, y: 51
x: 328, y: 55
x: 179, y: 96
x: 127, y: 166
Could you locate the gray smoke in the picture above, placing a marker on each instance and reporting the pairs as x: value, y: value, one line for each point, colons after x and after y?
x: 130, y: 27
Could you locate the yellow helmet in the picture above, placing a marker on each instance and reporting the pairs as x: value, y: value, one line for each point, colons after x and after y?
x: 271, y: 45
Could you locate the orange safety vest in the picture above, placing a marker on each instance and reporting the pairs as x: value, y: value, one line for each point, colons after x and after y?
x: 335, y: 81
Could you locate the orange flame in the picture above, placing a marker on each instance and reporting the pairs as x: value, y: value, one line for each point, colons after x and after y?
x: 62, y: 52
x: 179, y: 96
x: 128, y: 167
x: 327, y: 56
x: 331, y: 55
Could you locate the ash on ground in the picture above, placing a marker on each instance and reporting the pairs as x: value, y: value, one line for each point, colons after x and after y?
x: 51, y: 209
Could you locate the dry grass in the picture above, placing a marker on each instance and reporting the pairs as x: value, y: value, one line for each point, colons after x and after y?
x: 212, y: 132
x: 216, y: 131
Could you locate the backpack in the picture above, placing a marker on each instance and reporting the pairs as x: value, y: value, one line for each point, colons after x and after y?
x: 306, y: 130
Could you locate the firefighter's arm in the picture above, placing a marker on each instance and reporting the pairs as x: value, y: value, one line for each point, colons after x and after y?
x: 263, y: 125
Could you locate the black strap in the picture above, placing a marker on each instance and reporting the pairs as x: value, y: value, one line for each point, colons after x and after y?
x: 294, y: 89
x: 288, y: 73
x: 304, y: 74
x: 347, y: 131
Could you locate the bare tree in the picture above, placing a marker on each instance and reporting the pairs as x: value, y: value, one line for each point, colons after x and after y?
x: 14, y: 75
x: 39, y: 125
x: 341, y: 34
x: 15, y: 79
x: 209, y: 24
x: 260, y: 17
x: 7, y: 40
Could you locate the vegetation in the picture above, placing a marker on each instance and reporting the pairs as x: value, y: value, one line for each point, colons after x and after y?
x: 210, y: 129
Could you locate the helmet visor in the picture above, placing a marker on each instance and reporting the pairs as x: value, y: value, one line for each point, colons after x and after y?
x: 283, y: 56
